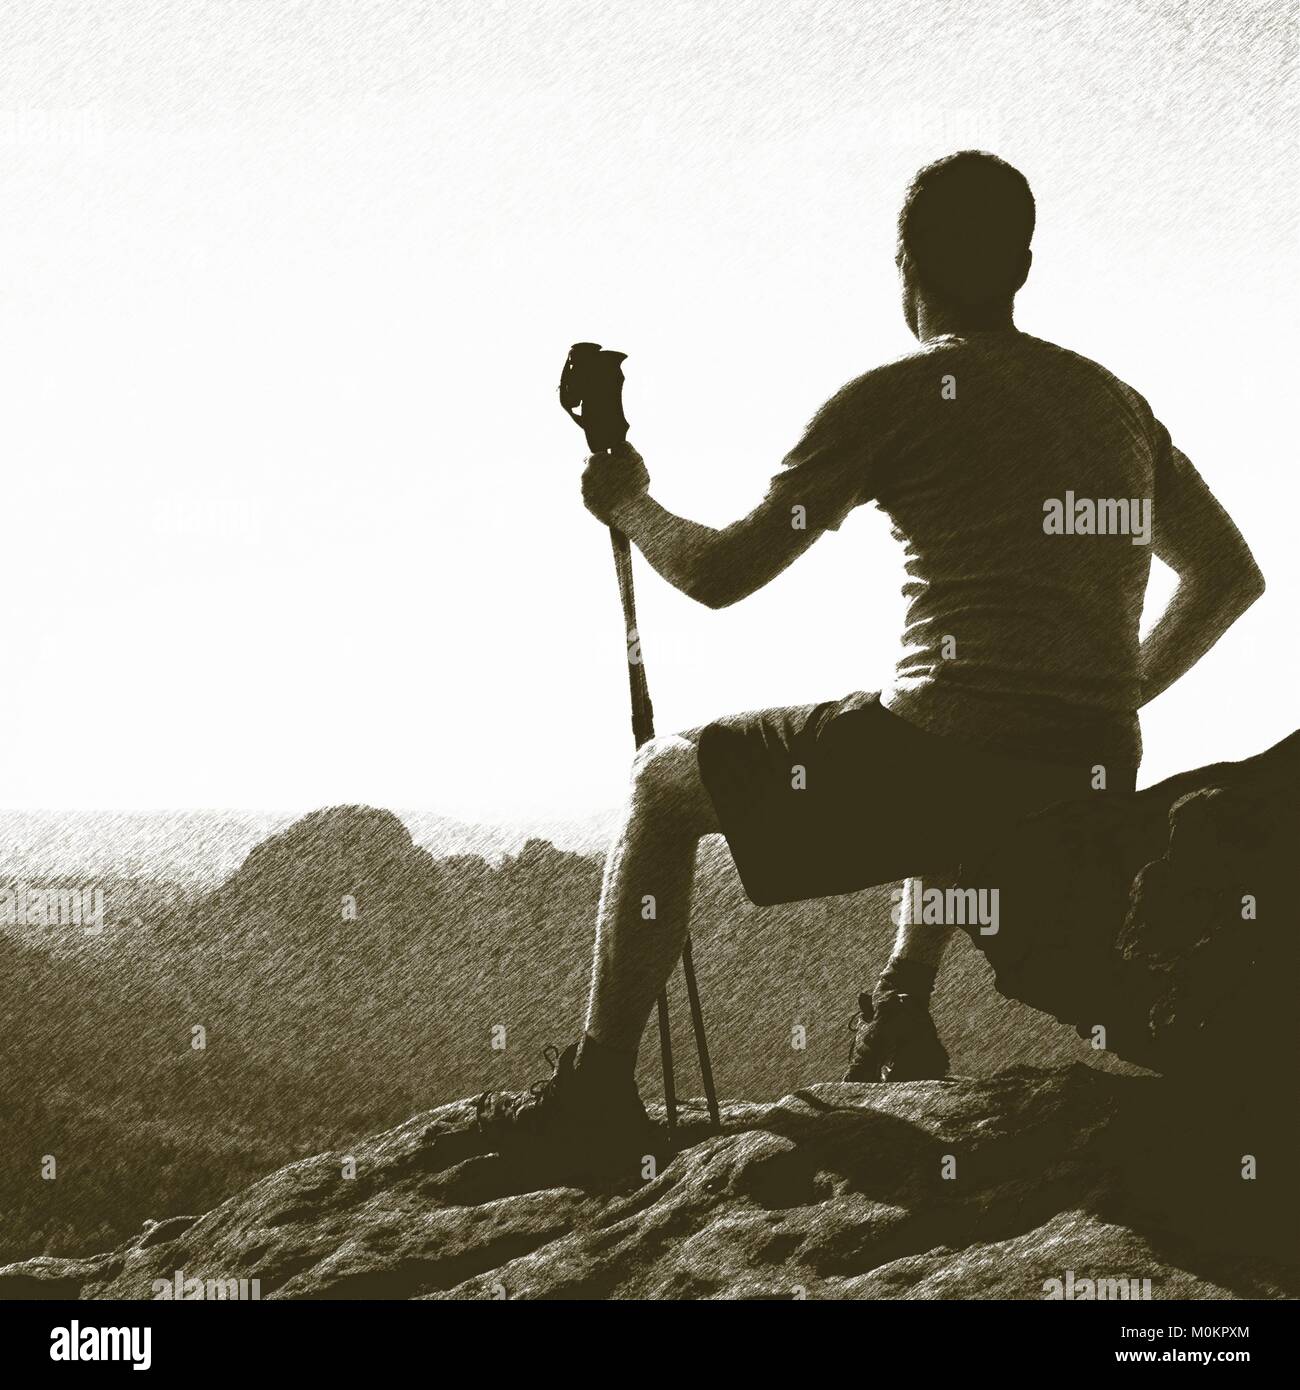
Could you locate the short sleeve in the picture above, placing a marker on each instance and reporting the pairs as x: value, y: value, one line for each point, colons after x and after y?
x: 827, y: 471
x: 1175, y: 483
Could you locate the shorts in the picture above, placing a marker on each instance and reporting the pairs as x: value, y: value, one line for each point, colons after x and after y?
x: 817, y: 800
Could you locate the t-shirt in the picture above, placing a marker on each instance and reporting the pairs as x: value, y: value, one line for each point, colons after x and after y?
x: 1022, y: 481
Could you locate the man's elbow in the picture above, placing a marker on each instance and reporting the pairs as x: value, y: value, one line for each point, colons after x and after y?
x: 1249, y: 585
x: 1232, y: 588
x: 715, y: 586
x: 713, y: 595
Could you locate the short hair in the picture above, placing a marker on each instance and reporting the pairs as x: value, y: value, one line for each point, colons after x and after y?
x: 966, y: 224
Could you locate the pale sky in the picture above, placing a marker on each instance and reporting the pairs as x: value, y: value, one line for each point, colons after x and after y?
x: 291, y: 515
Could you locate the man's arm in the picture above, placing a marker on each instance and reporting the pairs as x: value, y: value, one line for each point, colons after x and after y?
x: 715, y: 567
x: 820, y: 481
x: 1218, y: 578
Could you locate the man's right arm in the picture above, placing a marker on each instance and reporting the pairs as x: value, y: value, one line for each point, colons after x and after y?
x: 1218, y: 578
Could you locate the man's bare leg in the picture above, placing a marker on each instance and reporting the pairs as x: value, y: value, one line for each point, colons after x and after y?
x: 918, y: 948
x: 895, y: 1039
x: 645, y: 901
x: 588, y: 1114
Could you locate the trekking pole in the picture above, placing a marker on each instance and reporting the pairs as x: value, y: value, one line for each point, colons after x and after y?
x: 701, y: 1042
x: 643, y: 729
x: 593, y: 379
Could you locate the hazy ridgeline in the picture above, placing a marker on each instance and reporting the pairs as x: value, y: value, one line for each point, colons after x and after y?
x: 321, y: 1022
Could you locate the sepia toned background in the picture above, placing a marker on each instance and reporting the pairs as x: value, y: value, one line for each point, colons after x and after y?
x: 291, y: 516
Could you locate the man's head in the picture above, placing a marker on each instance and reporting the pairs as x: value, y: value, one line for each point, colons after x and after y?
x: 963, y: 241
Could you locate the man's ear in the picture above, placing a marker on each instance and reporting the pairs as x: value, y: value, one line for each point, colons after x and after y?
x: 911, y: 292
x: 1024, y: 269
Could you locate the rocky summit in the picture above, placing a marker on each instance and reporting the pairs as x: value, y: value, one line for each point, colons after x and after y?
x: 1020, y: 1186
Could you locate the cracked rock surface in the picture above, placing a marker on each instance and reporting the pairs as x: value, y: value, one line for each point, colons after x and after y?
x: 966, y: 1188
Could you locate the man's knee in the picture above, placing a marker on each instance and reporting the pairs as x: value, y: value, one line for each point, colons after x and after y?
x: 666, y: 783
x: 664, y: 769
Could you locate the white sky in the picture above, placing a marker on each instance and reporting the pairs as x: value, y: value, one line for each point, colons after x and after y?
x: 291, y: 516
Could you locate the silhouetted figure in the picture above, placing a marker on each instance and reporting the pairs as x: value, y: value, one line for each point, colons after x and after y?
x: 1029, y: 487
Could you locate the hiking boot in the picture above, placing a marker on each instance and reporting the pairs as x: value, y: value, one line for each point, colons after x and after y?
x: 894, y: 1039
x: 567, y: 1123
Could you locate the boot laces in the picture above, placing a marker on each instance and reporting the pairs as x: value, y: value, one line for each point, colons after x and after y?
x: 529, y: 1099
x: 550, y: 1054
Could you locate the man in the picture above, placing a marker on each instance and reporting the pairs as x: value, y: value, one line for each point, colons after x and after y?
x: 1029, y: 487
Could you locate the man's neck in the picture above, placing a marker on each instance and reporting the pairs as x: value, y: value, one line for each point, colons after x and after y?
x: 934, y: 321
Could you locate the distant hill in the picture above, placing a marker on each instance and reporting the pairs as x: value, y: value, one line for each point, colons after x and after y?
x: 203, y: 847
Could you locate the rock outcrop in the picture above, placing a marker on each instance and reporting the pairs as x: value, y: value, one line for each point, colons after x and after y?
x: 961, y: 1189
x: 1168, y: 918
